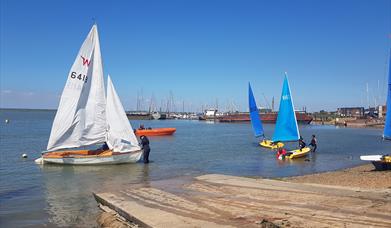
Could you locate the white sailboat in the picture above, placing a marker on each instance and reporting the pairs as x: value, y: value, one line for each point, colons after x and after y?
x: 86, y: 117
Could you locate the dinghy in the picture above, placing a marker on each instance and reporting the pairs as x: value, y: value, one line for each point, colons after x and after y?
x: 257, y: 123
x: 286, y: 129
x: 383, y: 162
x: 155, y: 131
x: 86, y: 117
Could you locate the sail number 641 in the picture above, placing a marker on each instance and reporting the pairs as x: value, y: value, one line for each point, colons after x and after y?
x: 81, y: 77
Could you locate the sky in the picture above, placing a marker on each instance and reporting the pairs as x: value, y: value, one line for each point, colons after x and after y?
x: 201, y: 52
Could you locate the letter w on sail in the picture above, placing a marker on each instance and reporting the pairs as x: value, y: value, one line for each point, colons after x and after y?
x: 85, y: 61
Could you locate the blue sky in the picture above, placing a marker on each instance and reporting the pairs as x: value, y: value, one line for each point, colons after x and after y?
x: 201, y: 50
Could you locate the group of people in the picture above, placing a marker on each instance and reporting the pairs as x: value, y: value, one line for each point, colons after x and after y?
x: 281, y: 152
x: 141, y: 127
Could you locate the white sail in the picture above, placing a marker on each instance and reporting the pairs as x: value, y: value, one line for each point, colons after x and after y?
x: 81, y: 119
x: 121, y: 137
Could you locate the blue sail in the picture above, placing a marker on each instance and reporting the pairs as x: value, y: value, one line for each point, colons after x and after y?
x: 254, y: 114
x: 387, y: 126
x: 286, y: 126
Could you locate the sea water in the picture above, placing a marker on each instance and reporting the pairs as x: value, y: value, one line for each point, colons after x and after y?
x: 32, y: 195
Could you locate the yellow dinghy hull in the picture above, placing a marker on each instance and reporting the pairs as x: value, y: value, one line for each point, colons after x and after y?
x: 270, y: 145
x: 298, y: 154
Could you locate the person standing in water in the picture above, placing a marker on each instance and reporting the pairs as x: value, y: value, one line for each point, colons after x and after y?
x: 146, y: 148
x: 301, y: 143
x: 314, y: 143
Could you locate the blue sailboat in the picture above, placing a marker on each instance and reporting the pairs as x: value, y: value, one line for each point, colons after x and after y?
x: 254, y: 114
x: 286, y: 129
x: 257, y: 123
x: 286, y: 125
x: 387, y: 124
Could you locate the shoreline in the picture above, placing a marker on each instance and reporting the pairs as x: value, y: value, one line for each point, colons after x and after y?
x: 221, y: 200
x: 350, y: 124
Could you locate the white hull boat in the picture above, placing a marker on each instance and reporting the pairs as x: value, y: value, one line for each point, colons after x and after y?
x: 78, y: 159
x: 86, y: 116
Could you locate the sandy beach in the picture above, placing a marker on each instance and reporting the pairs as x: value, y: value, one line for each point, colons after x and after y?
x: 361, y: 176
x: 354, y: 197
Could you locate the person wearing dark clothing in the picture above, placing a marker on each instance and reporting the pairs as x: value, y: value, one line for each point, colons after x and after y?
x: 301, y: 143
x: 314, y: 143
x: 145, y: 146
x: 105, y: 147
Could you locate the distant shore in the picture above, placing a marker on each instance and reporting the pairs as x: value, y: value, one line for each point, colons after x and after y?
x: 27, y: 109
x: 351, y: 124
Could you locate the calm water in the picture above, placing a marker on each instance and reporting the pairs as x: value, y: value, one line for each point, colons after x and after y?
x: 35, y: 196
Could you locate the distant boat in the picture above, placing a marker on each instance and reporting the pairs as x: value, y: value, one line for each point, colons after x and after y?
x: 286, y: 129
x: 156, y: 115
x: 257, y: 123
x: 383, y: 162
x: 85, y: 116
x: 268, y: 117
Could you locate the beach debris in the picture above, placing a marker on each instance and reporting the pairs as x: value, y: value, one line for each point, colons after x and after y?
x: 110, y: 218
x: 264, y: 223
x: 24, y: 155
x: 7, y: 121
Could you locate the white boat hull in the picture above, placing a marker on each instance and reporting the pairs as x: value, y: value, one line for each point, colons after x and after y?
x: 131, y: 157
x: 371, y: 157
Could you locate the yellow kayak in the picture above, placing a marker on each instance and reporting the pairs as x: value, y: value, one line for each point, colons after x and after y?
x: 297, y: 153
x: 270, y: 145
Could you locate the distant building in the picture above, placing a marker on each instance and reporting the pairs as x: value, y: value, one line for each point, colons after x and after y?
x: 382, y: 109
x: 264, y: 110
x: 351, y: 111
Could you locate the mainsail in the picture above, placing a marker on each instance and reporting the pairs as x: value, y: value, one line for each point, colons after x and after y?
x: 81, y: 119
x: 120, y: 136
x: 387, y: 126
x: 286, y: 126
x: 254, y: 114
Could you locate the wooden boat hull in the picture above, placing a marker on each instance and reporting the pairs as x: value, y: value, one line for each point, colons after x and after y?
x: 298, y: 154
x: 156, y: 131
x: 89, y: 157
x: 269, y: 144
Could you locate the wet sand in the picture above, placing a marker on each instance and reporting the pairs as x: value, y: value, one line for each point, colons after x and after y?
x: 356, y: 197
x: 361, y: 177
